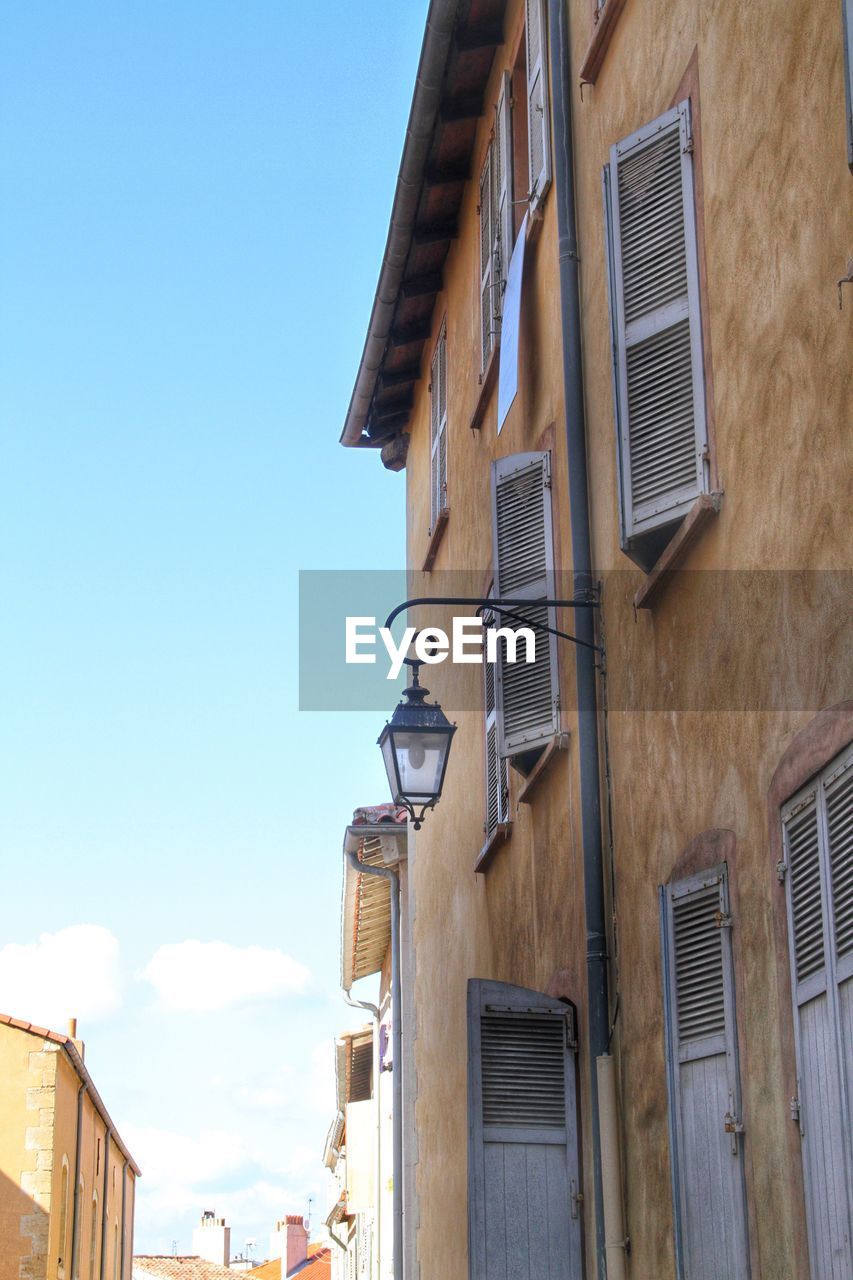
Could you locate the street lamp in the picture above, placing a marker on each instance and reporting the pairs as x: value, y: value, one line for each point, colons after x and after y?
x: 415, y: 747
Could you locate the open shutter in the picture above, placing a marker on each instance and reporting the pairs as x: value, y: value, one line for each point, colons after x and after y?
x: 523, y: 1219
x: 488, y: 294
x: 538, y: 107
x: 818, y: 839
x: 497, y: 780
x: 703, y: 1079
x: 657, y: 327
x: 528, y: 695
x: 503, y: 153
x: 438, y: 429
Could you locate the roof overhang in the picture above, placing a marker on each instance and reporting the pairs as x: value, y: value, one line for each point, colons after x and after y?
x: 458, y: 49
x: 353, y: 1065
x: 378, y: 837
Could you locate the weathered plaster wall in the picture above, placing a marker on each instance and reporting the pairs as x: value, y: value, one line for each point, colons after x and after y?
x: 709, y: 687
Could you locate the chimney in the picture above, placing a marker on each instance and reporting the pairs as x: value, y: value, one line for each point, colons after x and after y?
x: 212, y: 1239
x: 72, y: 1036
x: 295, y: 1242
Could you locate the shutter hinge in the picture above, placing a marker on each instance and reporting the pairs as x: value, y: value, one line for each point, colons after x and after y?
x: 795, y: 1109
x: 781, y: 870
x: 733, y: 1126
x: 687, y: 149
x: 576, y: 1197
x: 723, y: 920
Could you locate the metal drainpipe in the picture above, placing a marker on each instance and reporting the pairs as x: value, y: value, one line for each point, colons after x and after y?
x: 377, y: 1163
x: 75, y: 1221
x: 105, y: 1205
x: 387, y: 873
x: 588, y: 751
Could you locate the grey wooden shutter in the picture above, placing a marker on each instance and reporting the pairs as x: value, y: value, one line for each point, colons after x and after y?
x: 488, y: 294
x: 438, y: 429
x: 538, y: 106
x: 657, y: 325
x: 497, y: 779
x: 818, y: 840
x: 703, y: 1079
x: 503, y: 153
x: 523, y: 1219
x: 528, y: 695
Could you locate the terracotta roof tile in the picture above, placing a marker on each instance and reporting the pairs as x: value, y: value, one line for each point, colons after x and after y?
x: 372, y: 815
x: 268, y: 1270
x: 317, y: 1268
x: 183, y: 1267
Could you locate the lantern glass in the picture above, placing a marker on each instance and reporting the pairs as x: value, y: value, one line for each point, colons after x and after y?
x: 420, y: 759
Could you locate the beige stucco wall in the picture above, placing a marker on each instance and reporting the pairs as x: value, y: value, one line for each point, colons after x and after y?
x: 38, y: 1123
x: 775, y: 210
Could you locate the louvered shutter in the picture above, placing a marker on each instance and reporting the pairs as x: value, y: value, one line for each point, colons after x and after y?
x: 497, y: 779
x: 503, y: 152
x: 657, y: 326
x: 538, y: 106
x: 528, y: 696
x: 488, y: 293
x: 818, y: 841
x: 523, y: 1219
x: 703, y: 1079
x: 438, y: 429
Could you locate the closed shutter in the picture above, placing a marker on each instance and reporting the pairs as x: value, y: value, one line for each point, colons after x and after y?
x: 489, y: 295
x: 657, y: 327
x: 497, y: 779
x: 438, y: 429
x: 538, y: 106
x: 703, y: 1079
x: 818, y: 841
x: 528, y: 697
x: 504, y: 184
x: 523, y: 1219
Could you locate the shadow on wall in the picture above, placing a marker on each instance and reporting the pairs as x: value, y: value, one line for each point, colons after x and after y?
x: 23, y: 1234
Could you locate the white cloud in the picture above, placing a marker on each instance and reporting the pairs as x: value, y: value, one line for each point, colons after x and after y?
x: 75, y: 972
x: 204, y: 976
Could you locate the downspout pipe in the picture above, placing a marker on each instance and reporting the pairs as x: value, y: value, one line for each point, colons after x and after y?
x: 123, y: 1263
x: 75, y: 1220
x: 588, y: 746
x: 105, y: 1204
x: 389, y: 874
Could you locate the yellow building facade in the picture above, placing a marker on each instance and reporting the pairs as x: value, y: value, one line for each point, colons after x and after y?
x: 67, y: 1181
x: 682, y: 845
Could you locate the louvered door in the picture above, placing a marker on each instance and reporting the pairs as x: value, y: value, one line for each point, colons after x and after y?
x: 438, y: 429
x: 528, y: 700
x: 706, y: 1137
x: 657, y: 326
x: 523, y: 1212
x: 818, y: 841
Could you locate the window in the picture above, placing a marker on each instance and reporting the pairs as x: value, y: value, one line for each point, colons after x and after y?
x: 438, y: 430
x: 511, y: 152
x: 93, y: 1237
x: 497, y: 774
x: 63, y: 1217
x: 656, y: 330
x: 523, y: 1180
x: 527, y: 694
x: 817, y: 828
x: 703, y: 1081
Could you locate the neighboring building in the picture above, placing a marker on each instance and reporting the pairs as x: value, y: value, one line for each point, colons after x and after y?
x: 294, y: 1254
x: 212, y: 1239
x: 646, y: 905
x: 67, y: 1181
x: 359, y: 1149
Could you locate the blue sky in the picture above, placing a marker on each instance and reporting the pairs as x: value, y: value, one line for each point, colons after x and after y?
x: 193, y: 205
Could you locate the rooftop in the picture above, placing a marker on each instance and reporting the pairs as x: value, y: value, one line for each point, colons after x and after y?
x: 180, y: 1267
